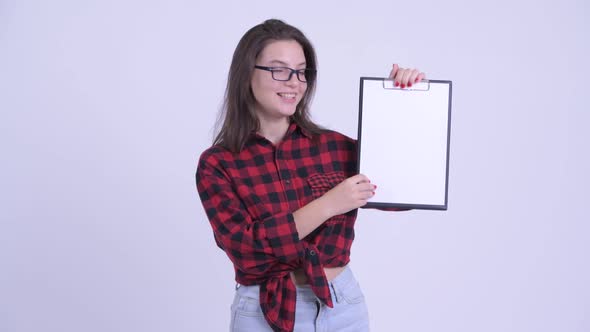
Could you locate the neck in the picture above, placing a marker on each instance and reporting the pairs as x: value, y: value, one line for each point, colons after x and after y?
x: 273, y: 130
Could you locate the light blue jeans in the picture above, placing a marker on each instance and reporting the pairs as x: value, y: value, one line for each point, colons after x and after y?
x: 348, y: 315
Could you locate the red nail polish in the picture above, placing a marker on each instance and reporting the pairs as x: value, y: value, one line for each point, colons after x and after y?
x: 403, y: 86
x: 396, y: 84
x: 409, y: 84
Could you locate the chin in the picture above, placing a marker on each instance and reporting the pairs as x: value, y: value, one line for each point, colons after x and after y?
x: 287, y: 112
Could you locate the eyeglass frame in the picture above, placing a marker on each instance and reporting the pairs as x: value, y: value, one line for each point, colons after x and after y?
x: 293, y: 71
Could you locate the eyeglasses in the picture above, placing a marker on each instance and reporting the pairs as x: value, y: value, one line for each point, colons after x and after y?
x: 285, y: 73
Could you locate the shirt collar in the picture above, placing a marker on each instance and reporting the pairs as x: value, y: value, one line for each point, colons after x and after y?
x: 292, y: 128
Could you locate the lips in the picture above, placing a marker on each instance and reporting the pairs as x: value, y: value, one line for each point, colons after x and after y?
x: 287, y: 95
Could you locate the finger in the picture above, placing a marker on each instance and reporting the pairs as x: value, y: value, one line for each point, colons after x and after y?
x: 400, y: 78
x: 405, y: 78
x: 400, y: 73
x: 413, y: 75
x: 393, y: 71
x: 366, y: 186
x: 367, y: 195
x: 360, y: 178
x: 420, y: 77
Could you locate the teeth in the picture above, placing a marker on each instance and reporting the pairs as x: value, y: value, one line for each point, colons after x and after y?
x: 287, y: 95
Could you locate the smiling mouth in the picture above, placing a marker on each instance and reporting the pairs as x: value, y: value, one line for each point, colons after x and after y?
x: 287, y: 95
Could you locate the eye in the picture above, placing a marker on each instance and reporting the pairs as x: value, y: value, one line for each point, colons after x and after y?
x: 279, y: 70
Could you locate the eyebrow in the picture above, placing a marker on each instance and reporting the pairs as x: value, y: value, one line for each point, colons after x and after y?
x: 285, y: 64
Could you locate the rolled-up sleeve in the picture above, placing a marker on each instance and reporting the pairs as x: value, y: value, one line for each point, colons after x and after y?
x: 254, y: 246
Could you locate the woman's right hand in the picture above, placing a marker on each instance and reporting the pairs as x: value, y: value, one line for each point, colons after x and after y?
x: 348, y: 195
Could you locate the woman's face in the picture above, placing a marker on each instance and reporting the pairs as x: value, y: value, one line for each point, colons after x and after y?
x: 277, y: 100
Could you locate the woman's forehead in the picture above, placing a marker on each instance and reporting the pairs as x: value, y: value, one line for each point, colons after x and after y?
x: 283, y: 52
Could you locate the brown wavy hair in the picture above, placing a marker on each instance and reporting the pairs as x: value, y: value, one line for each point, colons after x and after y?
x: 237, y: 113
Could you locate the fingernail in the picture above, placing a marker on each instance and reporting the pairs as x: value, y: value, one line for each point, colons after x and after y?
x: 396, y: 84
x: 375, y: 186
x: 417, y: 80
x: 409, y: 84
x: 403, y: 86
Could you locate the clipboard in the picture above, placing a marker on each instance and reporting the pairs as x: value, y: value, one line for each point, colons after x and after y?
x: 403, y: 142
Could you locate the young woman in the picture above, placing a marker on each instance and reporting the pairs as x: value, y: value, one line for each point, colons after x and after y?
x: 281, y: 193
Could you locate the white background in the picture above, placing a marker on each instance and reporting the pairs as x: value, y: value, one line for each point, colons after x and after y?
x: 106, y: 105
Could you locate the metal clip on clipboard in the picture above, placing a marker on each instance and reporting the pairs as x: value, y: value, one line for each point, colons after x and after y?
x: 423, y: 85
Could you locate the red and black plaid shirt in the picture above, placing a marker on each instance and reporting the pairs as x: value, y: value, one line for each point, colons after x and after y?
x: 249, y: 199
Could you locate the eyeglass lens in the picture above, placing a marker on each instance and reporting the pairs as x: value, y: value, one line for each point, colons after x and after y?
x: 284, y: 74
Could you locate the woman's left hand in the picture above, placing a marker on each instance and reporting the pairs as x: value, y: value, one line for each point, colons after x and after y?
x: 405, y: 77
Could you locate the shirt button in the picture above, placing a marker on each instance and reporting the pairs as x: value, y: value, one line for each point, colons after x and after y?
x: 312, y: 252
x: 288, y: 181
